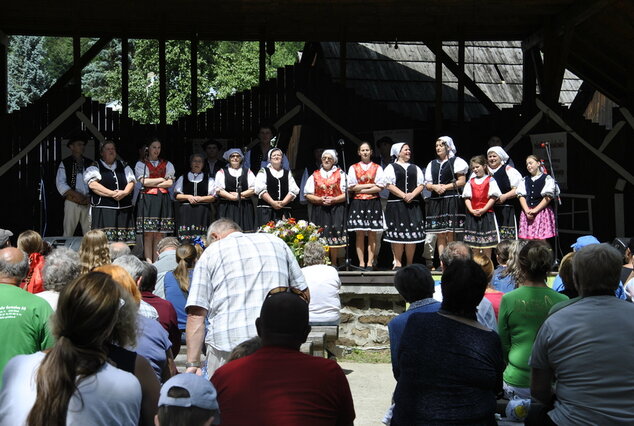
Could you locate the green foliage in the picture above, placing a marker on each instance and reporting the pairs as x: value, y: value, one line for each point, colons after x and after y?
x: 27, y: 80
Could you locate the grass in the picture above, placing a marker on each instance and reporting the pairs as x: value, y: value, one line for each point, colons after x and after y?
x: 369, y: 356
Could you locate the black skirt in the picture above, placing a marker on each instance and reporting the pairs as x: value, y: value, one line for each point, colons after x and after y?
x: 506, y: 219
x: 192, y: 220
x: 241, y: 212
x: 481, y: 232
x: 118, y: 224
x: 405, y: 223
x: 266, y: 214
x: 444, y: 214
x: 366, y: 215
x: 155, y: 213
x: 331, y: 219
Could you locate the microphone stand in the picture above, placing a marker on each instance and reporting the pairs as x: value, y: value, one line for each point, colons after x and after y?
x: 141, y: 199
x: 346, y: 263
x: 453, y: 181
x: 556, y: 202
x: 239, y: 191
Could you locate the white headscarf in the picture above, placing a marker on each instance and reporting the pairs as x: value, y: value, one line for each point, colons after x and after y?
x: 396, y: 150
x: 500, y: 153
x: 271, y: 151
x: 228, y: 153
x: 450, y: 145
x: 332, y: 153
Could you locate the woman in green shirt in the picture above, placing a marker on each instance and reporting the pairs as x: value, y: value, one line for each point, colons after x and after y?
x: 522, y: 312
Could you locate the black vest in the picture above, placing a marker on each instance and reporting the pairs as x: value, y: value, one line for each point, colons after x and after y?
x: 111, y: 180
x: 71, y: 178
x: 200, y: 189
x: 502, y: 179
x: 276, y: 188
x: 231, y: 182
x: 444, y: 173
x: 405, y: 179
x: 256, y: 157
x: 534, y: 190
x: 219, y: 164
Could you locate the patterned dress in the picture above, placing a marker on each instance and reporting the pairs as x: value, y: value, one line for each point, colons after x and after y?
x: 482, y: 231
x: 404, y: 221
x: 155, y: 211
x: 365, y: 213
x: 534, y: 189
x: 331, y: 218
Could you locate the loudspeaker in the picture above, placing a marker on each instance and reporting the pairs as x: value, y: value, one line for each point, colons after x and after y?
x: 70, y: 242
x: 621, y: 243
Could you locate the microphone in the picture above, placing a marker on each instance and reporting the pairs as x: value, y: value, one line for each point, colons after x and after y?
x: 544, y: 144
x: 341, y: 142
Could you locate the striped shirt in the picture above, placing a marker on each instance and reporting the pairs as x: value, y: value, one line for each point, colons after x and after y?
x: 231, y: 280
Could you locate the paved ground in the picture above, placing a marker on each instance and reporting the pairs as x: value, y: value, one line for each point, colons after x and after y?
x: 372, y: 386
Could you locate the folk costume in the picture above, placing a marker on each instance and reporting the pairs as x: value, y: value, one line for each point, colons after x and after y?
x: 114, y: 217
x: 69, y: 178
x: 445, y: 212
x: 365, y: 212
x: 278, y: 184
x: 481, y: 232
x: 192, y: 220
x: 404, y: 221
x: 155, y: 211
x: 236, y: 180
x: 507, y: 178
x: 533, y: 189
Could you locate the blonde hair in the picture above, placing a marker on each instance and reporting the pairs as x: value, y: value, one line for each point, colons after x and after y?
x: 186, y: 256
x: 486, y: 264
x: 123, y: 278
x: 94, y: 250
x: 512, y: 266
x: 30, y: 242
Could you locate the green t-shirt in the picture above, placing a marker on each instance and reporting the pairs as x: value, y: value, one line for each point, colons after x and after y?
x: 522, y: 312
x: 23, y: 324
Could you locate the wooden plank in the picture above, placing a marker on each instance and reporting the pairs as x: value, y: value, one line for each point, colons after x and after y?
x: 461, y: 61
x: 91, y: 127
x: 611, y: 134
x: 125, y: 78
x: 310, y: 104
x: 524, y: 130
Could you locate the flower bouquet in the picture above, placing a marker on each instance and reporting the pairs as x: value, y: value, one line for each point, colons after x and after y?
x: 295, y: 233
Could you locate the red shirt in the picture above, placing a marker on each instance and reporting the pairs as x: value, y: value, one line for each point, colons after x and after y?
x: 282, y: 386
x: 167, y: 318
x: 495, y: 297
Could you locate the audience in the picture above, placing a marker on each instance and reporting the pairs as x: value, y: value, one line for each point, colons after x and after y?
x: 166, y: 261
x: 134, y: 266
x: 5, y: 238
x: 416, y: 285
x: 501, y: 281
x: 522, y: 312
x: 492, y: 295
x: 32, y: 244
x: 585, y: 347
x: 73, y: 383
x: 62, y: 266
x: 94, y: 250
x: 278, y: 384
x: 24, y: 320
x: 188, y: 400
x: 245, y: 348
x: 176, y: 283
x: 118, y: 249
x: 323, y: 283
x: 450, y: 366
x: 512, y: 269
x: 152, y: 340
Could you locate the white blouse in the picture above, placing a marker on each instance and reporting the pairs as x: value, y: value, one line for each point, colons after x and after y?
x: 220, y: 177
x: 141, y: 171
x: 548, y: 190
x: 460, y: 167
x: 514, y: 176
x: 494, y: 189
x: 195, y: 178
x: 309, y: 188
x: 352, y: 176
x: 92, y: 172
x: 389, y: 177
x: 260, y: 181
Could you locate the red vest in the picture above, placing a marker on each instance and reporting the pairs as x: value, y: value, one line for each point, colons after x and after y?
x: 329, y: 186
x: 364, y: 177
x: 156, y: 172
x: 480, y: 194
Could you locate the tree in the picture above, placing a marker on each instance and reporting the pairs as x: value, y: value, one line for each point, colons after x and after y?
x: 27, y: 80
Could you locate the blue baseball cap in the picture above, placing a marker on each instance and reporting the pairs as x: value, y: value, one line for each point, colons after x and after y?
x: 202, y: 393
x: 586, y: 240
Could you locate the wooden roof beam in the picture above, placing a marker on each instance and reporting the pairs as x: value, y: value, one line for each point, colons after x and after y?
x: 468, y: 82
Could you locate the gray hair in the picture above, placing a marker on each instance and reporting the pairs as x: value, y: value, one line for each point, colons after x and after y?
x: 221, y: 226
x: 194, y: 155
x: 167, y: 242
x: 118, y: 249
x: 455, y: 250
x: 314, y: 254
x: 60, y: 268
x: 15, y: 270
x: 132, y: 264
x: 596, y: 269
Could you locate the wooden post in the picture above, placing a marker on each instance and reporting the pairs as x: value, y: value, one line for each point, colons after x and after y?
x: 461, y: 82
x: 193, y: 70
x: 529, y: 78
x: 162, y: 85
x: 76, y: 58
x: 4, y: 74
x: 438, y: 87
x: 262, y: 62
x: 343, y: 63
x: 125, y: 78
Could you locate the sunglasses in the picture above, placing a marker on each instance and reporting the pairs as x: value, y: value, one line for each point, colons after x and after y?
x: 286, y: 289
